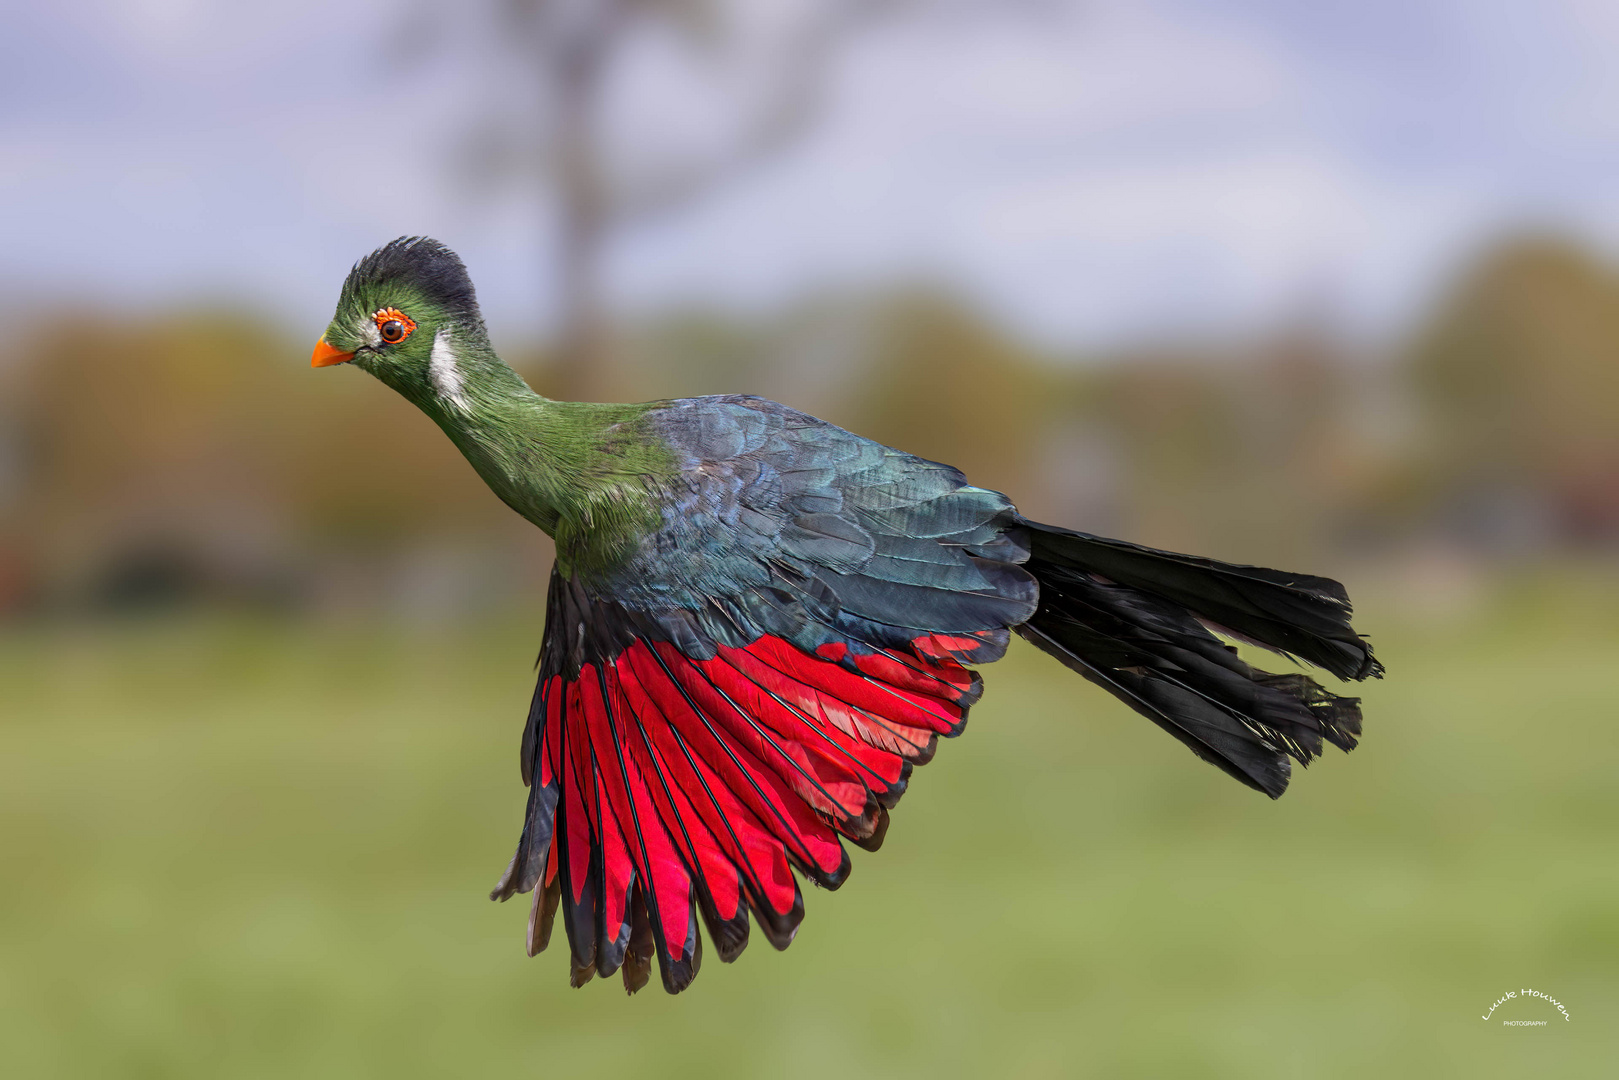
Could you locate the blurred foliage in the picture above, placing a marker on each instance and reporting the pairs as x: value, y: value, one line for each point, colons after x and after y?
x: 1254, y: 458
x: 196, y: 453
x: 1519, y: 376
x: 946, y: 384
x: 200, y: 441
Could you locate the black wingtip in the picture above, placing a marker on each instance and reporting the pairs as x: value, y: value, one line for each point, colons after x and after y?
x: 730, y: 936
x: 780, y: 928
x: 637, y: 968
x: 679, y: 974
x: 542, y: 916
x: 874, y: 840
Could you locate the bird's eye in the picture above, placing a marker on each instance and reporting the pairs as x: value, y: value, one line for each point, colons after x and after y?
x: 393, y: 325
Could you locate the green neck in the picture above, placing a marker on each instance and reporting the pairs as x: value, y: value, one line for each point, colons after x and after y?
x: 588, y: 474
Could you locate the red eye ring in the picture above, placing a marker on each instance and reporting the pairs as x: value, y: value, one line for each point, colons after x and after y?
x: 393, y: 325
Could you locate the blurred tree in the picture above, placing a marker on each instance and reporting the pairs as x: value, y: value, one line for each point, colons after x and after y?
x: 146, y: 444
x: 814, y: 354
x: 1171, y: 415
x: 942, y: 382
x: 764, y: 68
x: 193, y: 454
x: 1518, y: 378
x: 687, y: 353
x: 1246, y: 453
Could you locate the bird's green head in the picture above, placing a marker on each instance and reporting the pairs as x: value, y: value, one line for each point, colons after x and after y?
x: 408, y: 315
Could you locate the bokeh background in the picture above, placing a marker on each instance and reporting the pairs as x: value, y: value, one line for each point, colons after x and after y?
x: 1324, y: 286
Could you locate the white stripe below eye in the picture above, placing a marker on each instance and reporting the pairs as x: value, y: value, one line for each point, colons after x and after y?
x: 442, y: 369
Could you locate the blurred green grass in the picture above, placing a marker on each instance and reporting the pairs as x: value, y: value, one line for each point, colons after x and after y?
x: 237, y: 848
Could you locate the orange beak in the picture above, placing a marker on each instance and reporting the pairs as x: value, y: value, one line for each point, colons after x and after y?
x: 325, y: 356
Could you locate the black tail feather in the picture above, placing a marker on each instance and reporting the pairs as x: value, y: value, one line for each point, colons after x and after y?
x: 1138, y: 622
x: 1297, y: 614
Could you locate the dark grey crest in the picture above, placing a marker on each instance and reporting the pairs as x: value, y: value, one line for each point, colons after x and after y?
x: 423, y: 264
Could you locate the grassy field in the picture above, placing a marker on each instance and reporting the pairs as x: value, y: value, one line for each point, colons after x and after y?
x: 234, y: 849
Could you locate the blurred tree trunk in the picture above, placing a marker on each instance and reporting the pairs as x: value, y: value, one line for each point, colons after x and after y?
x: 583, y: 346
x: 570, y: 48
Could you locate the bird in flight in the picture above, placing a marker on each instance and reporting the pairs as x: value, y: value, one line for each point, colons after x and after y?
x: 759, y: 623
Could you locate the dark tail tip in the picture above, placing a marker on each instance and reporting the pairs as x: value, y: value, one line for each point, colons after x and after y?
x: 1142, y: 623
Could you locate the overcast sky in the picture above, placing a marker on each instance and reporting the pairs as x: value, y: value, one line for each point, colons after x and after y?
x: 1131, y: 170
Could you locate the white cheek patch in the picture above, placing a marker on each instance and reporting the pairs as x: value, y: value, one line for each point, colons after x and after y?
x: 367, y: 329
x: 442, y: 369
